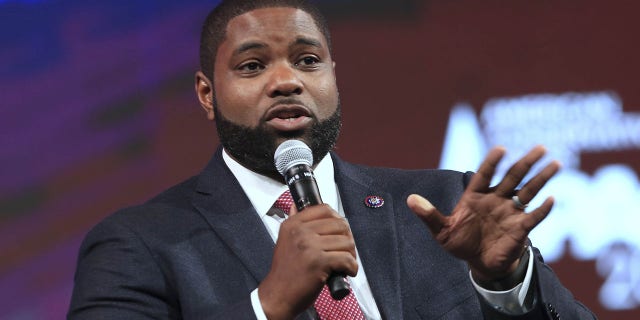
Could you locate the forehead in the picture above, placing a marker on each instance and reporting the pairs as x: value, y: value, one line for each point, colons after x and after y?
x: 271, y: 24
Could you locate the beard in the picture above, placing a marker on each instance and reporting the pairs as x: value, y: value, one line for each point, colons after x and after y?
x: 254, y: 147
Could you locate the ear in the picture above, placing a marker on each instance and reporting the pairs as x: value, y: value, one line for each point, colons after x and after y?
x: 204, y: 91
x: 333, y: 65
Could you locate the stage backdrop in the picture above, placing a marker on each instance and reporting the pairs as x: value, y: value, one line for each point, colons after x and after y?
x: 97, y: 112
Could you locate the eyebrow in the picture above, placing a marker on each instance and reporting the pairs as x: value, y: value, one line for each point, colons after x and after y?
x: 299, y: 41
x: 306, y: 42
x: 248, y: 46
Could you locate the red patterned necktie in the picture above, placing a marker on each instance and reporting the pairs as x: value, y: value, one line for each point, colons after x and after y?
x: 326, y: 307
x: 284, y: 202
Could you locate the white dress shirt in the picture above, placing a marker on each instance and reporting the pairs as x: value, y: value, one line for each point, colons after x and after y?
x: 263, y: 192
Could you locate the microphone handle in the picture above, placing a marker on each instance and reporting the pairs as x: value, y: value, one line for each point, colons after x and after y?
x: 304, y: 191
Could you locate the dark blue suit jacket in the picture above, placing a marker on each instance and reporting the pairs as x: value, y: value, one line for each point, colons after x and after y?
x: 197, y: 251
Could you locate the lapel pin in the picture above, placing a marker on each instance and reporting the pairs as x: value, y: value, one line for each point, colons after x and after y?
x: 373, y: 202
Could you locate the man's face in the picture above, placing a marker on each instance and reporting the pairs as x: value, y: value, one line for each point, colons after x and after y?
x: 274, y: 80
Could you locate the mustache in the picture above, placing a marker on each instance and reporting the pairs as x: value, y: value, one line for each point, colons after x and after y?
x: 287, y: 106
x: 287, y: 100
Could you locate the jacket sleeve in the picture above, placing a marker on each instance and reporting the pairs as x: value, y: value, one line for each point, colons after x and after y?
x: 551, y: 300
x: 118, y: 277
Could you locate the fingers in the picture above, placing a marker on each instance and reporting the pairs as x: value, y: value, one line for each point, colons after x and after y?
x: 533, y: 186
x: 434, y: 220
x: 321, y: 211
x: 336, y: 254
x: 536, y: 216
x: 330, y: 254
x: 518, y: 171
x: 319, y: 228
x: 330, y: 226
x: 312, y: 245
x: 481, y: 180
x: 339, y: 262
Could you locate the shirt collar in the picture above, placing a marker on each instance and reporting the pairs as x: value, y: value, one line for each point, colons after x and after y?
x: 263, y: 191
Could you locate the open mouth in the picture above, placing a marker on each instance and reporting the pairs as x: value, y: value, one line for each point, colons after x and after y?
x: 288, y: 117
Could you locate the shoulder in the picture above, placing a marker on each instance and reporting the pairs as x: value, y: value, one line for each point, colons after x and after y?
x: 179, y: 195
x: 164, y: 214
x: 407, y: 178
x: 442, y: 187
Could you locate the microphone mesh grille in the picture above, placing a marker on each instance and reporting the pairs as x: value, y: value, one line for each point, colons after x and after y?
x: 291, y: 153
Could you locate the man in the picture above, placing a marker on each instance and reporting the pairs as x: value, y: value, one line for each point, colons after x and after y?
x: 204, y: 249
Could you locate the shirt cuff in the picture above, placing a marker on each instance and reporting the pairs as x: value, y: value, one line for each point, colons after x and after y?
x: 257, y: 306
x: 509, y: 301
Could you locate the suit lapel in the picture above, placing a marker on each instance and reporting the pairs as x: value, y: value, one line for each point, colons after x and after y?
x: 374, y: 231
x: 222, y: 202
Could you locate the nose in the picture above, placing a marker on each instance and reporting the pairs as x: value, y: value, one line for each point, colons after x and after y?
x: 284, y: 81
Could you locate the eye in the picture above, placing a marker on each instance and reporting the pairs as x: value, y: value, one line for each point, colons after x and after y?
x: 308, y: 61
x: 251, y: 67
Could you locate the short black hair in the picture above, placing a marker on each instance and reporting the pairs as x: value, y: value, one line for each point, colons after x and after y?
x: 214, y: 28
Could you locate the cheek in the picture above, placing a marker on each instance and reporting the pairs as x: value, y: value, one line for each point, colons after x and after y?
x: 238, y: 103
x: 327, y: 97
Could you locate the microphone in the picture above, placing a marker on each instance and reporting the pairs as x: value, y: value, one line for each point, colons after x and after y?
x: 293, y: 159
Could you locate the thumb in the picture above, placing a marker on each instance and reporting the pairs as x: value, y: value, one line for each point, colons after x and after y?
x: 427, y: 212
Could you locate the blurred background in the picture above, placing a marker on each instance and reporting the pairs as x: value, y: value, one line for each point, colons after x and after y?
x: 98, y: 112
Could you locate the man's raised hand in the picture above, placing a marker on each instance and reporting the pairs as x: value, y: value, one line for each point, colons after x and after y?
x: 487, y: 228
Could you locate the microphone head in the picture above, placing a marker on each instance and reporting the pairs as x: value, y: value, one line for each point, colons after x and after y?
x: 291, y: 153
